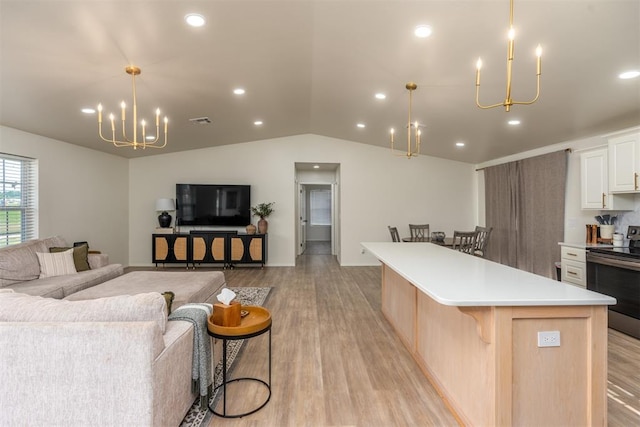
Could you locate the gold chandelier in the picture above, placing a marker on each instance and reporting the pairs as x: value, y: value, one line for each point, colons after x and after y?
x: 508, y: 102
x: 125, y: 141
x: 412, y: 128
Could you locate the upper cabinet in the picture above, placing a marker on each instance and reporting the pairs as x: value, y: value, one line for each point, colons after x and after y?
x: 624, y: 163
x: 595, y: 187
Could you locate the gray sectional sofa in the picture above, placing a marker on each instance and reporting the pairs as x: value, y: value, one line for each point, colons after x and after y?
x: 20, y: 270
x: 94, y: 348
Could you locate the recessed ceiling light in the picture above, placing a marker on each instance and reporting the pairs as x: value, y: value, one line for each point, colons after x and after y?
x: 629, y: 74
x: 460, y: 144
x: 381, y: 96
x: 89, y: 110
x: 423, y: 31
x: 258, y: 122
x: 316, y: 166
x: 194, y: 19
x: 514, y: 122
x: 150, y: 137
x: 239, y: 91
x: 360, y: 125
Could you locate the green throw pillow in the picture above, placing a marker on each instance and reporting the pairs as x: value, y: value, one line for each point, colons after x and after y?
x: 80, y: 256
x: 169, y: 296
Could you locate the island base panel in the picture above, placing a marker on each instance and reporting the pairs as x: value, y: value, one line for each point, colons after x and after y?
x: 486, y: 364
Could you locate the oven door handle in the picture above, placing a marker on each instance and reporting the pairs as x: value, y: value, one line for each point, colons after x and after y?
x: 613, y: 262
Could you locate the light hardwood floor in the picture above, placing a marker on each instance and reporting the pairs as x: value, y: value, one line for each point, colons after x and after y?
x: 337, y: 362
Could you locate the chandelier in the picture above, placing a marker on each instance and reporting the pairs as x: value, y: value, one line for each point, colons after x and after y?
x: 508, y: 102
x: 132, y: 140
x: 413, y: 129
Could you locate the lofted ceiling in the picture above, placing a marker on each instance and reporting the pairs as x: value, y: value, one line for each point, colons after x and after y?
x: 313, y: 67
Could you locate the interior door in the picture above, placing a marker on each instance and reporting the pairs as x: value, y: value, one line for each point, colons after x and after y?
x: 302, y: 215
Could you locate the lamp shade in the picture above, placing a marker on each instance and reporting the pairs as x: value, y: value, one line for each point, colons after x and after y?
x: 163, y: 205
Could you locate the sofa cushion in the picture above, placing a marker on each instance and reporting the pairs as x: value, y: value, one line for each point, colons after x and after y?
x: 15, y: 307
x: 56, y: 264
x: 61, y: 286
x: 188, y: 286
x: 19, y: 263
x: 80, y: 255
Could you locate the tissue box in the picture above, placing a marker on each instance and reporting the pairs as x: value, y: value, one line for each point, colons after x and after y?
x: 227, y: 315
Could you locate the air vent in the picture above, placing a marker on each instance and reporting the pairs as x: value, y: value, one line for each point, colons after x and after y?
x: 200, y: 120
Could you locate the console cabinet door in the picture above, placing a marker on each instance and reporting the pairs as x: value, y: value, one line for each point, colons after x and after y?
x: 171, y: 248
x: 249, y: 249
x: 209, y: 247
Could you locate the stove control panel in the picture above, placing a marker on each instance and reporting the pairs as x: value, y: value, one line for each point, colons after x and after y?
x: 633, y: 232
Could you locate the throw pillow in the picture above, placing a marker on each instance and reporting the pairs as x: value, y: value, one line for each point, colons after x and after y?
x: 80, y: 256
x: 56, y: 264
x: 168, y: 296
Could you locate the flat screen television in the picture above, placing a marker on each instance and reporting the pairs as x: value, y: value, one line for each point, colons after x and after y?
x: 208, y: 204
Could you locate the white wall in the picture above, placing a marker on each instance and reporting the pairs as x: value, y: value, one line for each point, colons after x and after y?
x: 82, y: 192
x: 377, y: 190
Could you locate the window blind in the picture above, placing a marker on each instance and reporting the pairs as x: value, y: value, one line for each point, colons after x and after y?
x: 320, y: 204
x: 18, y: 199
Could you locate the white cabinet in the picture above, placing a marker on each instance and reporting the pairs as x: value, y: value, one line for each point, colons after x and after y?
x: 595, y: 183
x: 624, y: 163
x: 574, y: 266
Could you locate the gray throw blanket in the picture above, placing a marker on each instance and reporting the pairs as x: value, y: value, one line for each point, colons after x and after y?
x: 201, y: 369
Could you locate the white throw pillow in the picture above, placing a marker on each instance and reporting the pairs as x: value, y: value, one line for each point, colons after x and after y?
x: 56, y: 264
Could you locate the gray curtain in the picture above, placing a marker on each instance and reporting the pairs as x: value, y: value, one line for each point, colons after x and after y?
x: 525, y: 206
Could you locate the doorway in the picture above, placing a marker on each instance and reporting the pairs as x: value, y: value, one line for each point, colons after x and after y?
x: 317, y: 210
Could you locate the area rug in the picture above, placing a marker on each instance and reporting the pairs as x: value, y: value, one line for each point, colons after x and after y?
x: 197, y: 417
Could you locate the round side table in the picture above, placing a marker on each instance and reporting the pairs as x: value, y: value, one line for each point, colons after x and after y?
x: 256, y: 323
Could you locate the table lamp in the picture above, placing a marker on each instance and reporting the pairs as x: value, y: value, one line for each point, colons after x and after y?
x: 164, y: 205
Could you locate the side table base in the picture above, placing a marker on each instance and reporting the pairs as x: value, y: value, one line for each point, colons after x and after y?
x: 224, y: 414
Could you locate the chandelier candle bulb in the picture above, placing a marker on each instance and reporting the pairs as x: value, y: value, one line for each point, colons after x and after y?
x: 539, y: 62
x: 511, y: 43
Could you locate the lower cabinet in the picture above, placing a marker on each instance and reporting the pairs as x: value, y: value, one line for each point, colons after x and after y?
x: 574, y: 266
x: 210, y: 247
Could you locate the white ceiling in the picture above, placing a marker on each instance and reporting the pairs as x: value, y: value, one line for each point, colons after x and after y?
x: 314, y: 67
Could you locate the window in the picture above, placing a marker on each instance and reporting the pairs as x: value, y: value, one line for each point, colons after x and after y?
x: 320, y: 201
x: 18, y: 199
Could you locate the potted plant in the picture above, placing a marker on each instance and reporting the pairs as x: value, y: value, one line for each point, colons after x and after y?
x: 263, y: 210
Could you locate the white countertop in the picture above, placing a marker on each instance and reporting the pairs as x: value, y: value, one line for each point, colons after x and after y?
x: 458, y: 279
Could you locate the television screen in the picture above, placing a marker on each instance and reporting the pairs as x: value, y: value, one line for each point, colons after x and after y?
x: 207, y: 204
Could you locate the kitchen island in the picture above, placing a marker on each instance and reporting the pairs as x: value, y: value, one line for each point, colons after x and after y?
x: 472, y: 326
